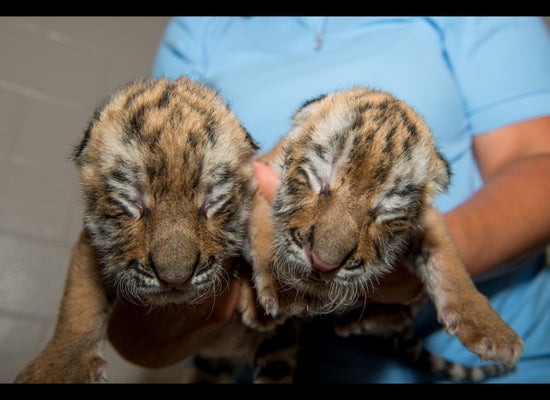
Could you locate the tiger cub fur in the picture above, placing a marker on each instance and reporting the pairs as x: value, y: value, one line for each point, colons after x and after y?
x: 359, y: 171
x: 167, y: 185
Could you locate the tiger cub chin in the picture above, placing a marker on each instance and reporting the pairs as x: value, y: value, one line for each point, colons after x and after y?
x: 167, y: 185
x: 359, y: 171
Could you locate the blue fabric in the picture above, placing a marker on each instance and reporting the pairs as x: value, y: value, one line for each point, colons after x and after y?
x: 464, y: 75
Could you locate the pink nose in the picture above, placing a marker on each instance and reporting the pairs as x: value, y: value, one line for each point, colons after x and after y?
x: 174, y: 282
x: 321, y: 265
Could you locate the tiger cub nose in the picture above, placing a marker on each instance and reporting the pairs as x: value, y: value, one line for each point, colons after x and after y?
x: 173, y: 282
x: 318, y: 263
x: 171, y: 277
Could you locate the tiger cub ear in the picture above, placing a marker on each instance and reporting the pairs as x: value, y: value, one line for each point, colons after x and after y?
x: 306, y: 110
x: 78, y: 150
x: 441, y: 173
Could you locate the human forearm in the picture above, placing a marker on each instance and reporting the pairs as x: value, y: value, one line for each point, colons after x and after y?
x: 161, y: 337
x: 508, y: 217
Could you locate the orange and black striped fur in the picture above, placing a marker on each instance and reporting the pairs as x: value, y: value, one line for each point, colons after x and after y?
x: 169, y: 196
x: 359, y: 171
x: 167, y: 186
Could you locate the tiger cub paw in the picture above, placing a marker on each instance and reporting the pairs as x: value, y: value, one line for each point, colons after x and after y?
x: 44, y: 370
x: 257, y: 319
x: 483, y: 332
x: 253, y: 314
x: 268, y: 299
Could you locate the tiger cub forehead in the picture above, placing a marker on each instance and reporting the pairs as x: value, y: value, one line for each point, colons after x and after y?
x: 369, y: 136
x: 150, y: 128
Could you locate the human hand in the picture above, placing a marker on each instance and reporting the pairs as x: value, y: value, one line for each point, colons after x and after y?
x: 268, y: 180
x: 400, y: 286
x: 163, y: 336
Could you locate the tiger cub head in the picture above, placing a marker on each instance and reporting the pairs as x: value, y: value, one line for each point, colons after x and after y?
x: 167, y: 182
x: 358, y: 168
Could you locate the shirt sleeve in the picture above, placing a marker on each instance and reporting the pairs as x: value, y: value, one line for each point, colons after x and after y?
x: 502, y: 66
x: 181, y: 49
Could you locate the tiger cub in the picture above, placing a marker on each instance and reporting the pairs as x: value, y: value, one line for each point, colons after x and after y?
x: 167, y: 181
x: 359, y: 171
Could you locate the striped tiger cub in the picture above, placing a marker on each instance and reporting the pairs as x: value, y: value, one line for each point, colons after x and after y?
x: 167, y: 185
x: 359, y: 171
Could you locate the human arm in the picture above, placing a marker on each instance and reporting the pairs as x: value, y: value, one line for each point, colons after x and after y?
x: 508, y: 217
x: 160, y: 337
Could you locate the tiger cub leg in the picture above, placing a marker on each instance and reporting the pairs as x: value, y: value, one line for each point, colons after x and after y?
x: 461, y: 308
x: 276, y: 357
x: 375, y: 319
x: 72, y: 354
x: 261, y: 233
x: 209, y: 370
x: 394, y: 323
x: 273, y: 359
x: 252, y: 313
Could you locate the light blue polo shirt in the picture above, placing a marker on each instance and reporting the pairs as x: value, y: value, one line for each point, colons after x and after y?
x: 464, y: 75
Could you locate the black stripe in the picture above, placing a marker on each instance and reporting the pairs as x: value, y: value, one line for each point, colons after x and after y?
x: 411, y: 128
x: 354, y: 263
x: 223, y: 172
x: 380, y: 174
x: 79, y: 149
x: 223, y: 211
x: 192, y: 140
x: 348, y: 256
x: 139, y: 90
x: 249, y: 140
x: 120, y: 175
x: 300, y: 172
x: 377, y: 250
x: 114, y: 214
x: 135, y: 265
x: 196, y: 263
x: 157, y: 169
x: 120, y: 205
x: 389, y: 141
x: 446, y: 162
x: 151, y: 140
x: 194, y: 179
x: 164, y: 99
x: 211, y: 131
x: 124, y: 172
x: 311, y: 101
x: 96, y: 116
x: 406, y: 147
x: 296, y: 237
x: 364, y: 107
x: 319, y: 150
x: 135, y: 125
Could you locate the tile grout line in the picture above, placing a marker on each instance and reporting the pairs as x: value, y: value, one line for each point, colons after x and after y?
x: 28, y: 317
x: 34, y: 94
x: 55, y: 36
